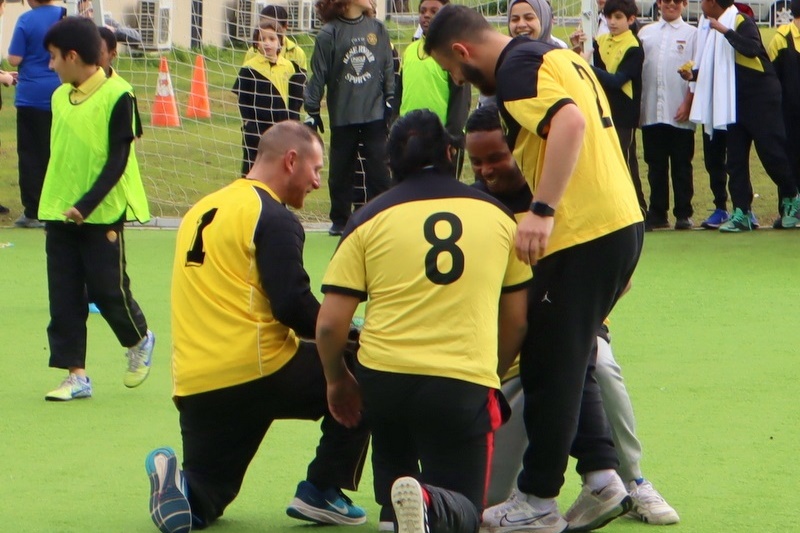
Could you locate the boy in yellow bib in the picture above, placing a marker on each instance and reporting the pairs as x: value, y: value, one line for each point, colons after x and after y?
x: 91, y: 188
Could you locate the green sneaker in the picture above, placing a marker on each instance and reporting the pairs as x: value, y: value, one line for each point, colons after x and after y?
x: 140, y: 358
x: 739, y: 222
x: 790, y: 212
x: 72, y: 388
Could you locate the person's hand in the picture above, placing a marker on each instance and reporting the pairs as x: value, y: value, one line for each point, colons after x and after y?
x: 387, y: 113
x: 717, y: 25
x: 344, y: 400
x: 533, y: 232
x: 686, y: 75
x: 15, y: 75
x: 682, y: 115
x: 74, y: 215
x: 6, y: 78
x: 314, y: 121
x: 577, y: 38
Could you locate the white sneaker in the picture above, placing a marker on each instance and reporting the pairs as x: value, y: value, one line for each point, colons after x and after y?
x: 594, y: 509
x: 409, y: 506
x: 650, y: 506
x: 516, y: 514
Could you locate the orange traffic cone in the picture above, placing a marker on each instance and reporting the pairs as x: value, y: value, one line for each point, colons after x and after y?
x: 199, y: 106
x: 165, y: 110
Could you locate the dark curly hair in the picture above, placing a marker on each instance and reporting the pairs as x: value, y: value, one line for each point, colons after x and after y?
x: 419, y: 140
x: 327, y: 10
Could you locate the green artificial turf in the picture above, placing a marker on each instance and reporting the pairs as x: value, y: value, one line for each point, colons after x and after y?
x: 707, y: 340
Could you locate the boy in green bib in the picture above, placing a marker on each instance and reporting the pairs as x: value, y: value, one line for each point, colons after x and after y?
x: 91, y: 188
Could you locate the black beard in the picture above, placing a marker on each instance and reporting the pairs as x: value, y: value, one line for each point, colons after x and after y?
x: 478, y: 79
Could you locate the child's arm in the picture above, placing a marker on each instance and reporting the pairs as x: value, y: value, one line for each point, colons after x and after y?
x: 245, y: 90
x: 296, y: 85
x: 321, y: 61
x: 120, y: 136
x: 629, y: 68
x: 457, y: 108
x: 745, y: 39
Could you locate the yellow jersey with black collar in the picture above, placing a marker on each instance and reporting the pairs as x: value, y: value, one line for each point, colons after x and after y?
x: 240, y: 295
x: 534, y: 81
x: 431, y: 257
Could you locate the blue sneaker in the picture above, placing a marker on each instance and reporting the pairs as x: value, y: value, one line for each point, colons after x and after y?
x: 324, y: 507
x: 93, y: 308
x: 169, y: 506
x: 717, y: 218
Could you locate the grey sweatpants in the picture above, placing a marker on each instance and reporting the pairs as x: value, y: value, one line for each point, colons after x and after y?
x: 510, y: 440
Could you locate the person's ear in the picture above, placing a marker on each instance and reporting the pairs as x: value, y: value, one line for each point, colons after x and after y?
x: 289, y: 161
x: 460, y: 50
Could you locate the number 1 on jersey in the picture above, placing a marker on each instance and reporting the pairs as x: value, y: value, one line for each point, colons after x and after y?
x: 196, y: 255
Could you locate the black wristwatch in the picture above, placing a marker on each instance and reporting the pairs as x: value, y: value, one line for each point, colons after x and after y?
x: 542, y: 209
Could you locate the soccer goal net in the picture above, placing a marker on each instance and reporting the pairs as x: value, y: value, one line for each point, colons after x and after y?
x: 192, y: 141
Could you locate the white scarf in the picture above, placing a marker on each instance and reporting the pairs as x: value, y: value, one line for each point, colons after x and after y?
x: 714, y: 104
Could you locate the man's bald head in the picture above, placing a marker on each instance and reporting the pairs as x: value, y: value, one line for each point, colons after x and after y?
x: 285, y: 136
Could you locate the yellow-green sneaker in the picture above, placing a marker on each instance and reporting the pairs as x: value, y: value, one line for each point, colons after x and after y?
x: 72, y: 388
x: 139, y: 359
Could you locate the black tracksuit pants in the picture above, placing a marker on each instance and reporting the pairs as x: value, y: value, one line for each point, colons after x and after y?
x: 669, y: 150
x: 223, y: 429
x: 33, y: 153
x: 573, y: 291
x: 438, y: 430
x: 88, y: 260
x: 759, y: 122
x: 715, y: 150
x: 344, y: 151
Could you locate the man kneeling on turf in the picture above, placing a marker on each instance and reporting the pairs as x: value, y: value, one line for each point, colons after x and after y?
x: 240, y: 302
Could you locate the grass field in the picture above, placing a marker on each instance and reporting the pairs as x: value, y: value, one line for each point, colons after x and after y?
x: 707, y: 340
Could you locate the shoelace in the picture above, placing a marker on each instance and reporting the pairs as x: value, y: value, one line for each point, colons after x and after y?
x: 343, y: 496
x: 648, y: 494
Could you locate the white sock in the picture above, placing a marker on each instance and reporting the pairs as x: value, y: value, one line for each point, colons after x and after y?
x: 599, y: 479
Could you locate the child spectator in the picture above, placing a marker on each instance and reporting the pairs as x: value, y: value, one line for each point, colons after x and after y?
x: 290, y: 49
x: 269, y: 88
x: 425, y: 85
x: 36, y: 84
x: 737, y: 89
x: 667, y: 132
x: 91, y: 187
x: 352, y: 59
x: 784, y: 52
x: 618, y: 59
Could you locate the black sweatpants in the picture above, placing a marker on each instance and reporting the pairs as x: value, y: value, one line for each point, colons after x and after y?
x: 437, y: 430
x: 715, y: 150
x: 759, y: 123
x: 573, y: 291
x: 669, y: 150
x: 88, y: 260
x: 343, y: 153
x: 33, y: 153
x: 627, y: 140
x: 223, y: 429
x: 792, y: 123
